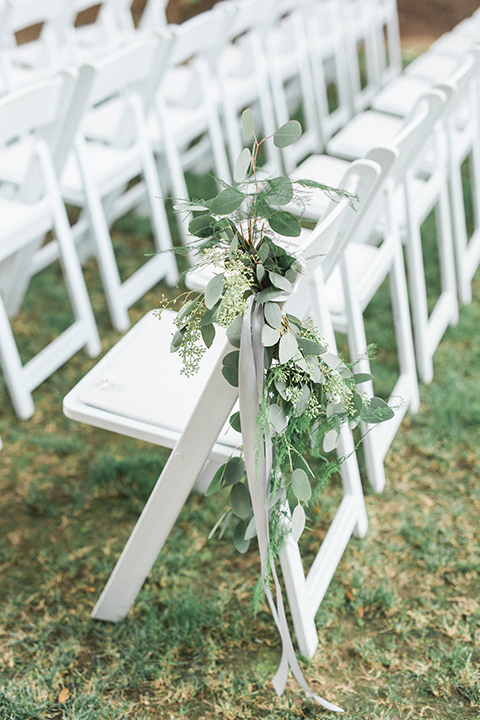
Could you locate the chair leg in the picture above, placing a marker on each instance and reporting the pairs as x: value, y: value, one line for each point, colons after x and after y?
x: 13, y: 369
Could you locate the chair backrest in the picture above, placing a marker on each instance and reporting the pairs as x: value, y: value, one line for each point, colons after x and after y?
x: 41, y: 110
x: 417, y: 129
x: 114, y: 15
x: 202, y: 35
x: 21, y: 14
x: 343, y: 221
x: 154, y: 15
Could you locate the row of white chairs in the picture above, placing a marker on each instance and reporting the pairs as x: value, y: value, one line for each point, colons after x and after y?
x: 99, y: 147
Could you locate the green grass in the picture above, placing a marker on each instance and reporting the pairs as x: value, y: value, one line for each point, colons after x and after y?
x: 399, y: 627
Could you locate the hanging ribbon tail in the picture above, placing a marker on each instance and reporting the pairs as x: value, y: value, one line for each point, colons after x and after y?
x: 257, y: 447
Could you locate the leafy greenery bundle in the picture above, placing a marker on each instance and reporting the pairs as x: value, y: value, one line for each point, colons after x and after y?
x: 309, y: 392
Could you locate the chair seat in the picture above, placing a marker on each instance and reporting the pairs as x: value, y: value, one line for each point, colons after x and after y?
x: 106, y: 167
x: 141, y: 381
x: 433, y: 66
x: 365, y: 131
x: 16, y: 216
x: 321, y: 168
x: 399, y: 96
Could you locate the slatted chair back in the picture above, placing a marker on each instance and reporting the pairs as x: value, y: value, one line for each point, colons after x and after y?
x: 29, y: 209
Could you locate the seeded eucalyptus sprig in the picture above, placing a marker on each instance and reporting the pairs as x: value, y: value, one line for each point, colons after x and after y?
x: 244, y: 235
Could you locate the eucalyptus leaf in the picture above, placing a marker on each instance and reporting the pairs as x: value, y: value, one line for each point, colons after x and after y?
x: 277, y: 417
x: 284, y: 223
x: 208, y: 334
x: 280, y: 282
x: 234, y: 331
x: 270, y: 293
x: 298, y: 522
x: 270, y: 336
x: 240, y: 501
x: 357, y: 404
x: 186, y: 309
x: 202, y: 226
x: 213, y: 291
x: 241, y: 544
x: 310, y: 347
x: 177, y: 340
x: 242, y: 165
x: 273, y: 314
x: 217, y: 525
x: 287, y: 134
x: 377, y: 411
x: 234, y: 421
x: 301, y: 485
x: 260, y: 270
x: 263, y: 252
x: 192, y: 207
x: 234, y: 471
x: 216, y: 482
x: 225, y: 524
x: 361, y: 378
x: 281, y: 388
x: 280, y: 191
x: 302, y: 402
x: 288, y: 348
x: 230, y: 368
x: 274, y: 498
x: 227, y: 201
x: 210, y: 315
x: 330, y: 440
x: 248, y: 125
x: 251, y: 529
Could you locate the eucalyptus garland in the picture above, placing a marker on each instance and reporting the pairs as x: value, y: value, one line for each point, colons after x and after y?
x: 244, y: 235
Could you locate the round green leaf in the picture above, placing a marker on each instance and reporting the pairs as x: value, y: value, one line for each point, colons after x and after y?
x: 270, y: 336
x: 248, y: 125
x: 242, y: 165
x: 251, y: 529
x: 263, y: 251
x: 310, y: 347
x: 234, y: 421
x: 277, y: 418
x: 239, y: 540
x: 260, y: 272
x: 280, y: 191
x: 280, y: 282
x: 268, y: 294
x: 208, y: 334
x: 177, y: 340
x: 288, y: 348
x: 226, y: 202
x: 287, y: 134
x: 230, y: 368
x: 217, y: 481
x: 240, y: 501
x: 234, y: 331
x: 284, y: 223
x: 234, y: 471
x: 361, y: 378
x: 298, y: 522
x: 213, y: 291
x: 301, y: 485
x: 273, y: 314
x: 302, y: 402
x: 202, y: 226
x: 377, y: 411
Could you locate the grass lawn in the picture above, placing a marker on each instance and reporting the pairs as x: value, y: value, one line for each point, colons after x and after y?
x: 399, y: 628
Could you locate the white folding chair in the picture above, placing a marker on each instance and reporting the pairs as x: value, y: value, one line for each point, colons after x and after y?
x: 328, y: 60
x: 463, y: 135
x: 125, y: 393
x: 28, y: 211
x: 288, y: 65
x: 184, y: 124
x: 243, y: 78
x: 36, y: 59
x: 112, y: 28
x: 424, y: 189
x: 97, y: 173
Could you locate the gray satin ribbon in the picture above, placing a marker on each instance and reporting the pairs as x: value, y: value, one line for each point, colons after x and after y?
x: 258, y: 462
